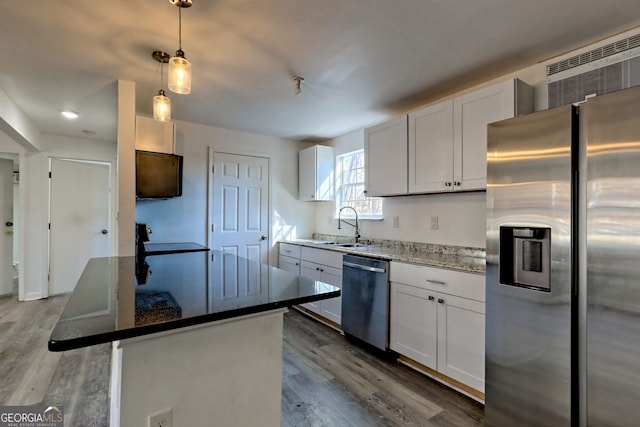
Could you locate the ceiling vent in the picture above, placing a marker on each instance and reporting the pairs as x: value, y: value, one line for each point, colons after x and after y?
x: 595, y: 54
x: 630, y: 46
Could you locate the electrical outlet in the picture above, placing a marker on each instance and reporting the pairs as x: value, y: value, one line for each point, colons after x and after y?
x: 434, y: 222
x: 396, y: 221
x: 162, y: 419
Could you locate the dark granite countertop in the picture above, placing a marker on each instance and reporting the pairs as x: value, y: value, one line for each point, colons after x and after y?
x: 172, y: 248
x: 470, y: 260
x: 117, y: 298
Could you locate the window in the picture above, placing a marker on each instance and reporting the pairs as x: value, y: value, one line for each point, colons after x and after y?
x: 350, y: 187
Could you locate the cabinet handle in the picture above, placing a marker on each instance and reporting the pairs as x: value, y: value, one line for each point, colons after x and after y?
x: 431, y: 298
x: 365, y: 191
x: 436, y: 282
x: 317, y: 268
x: 287, y: 251
x: 440, y: 300
x: 447, y: 184
x: 297, y: 263
x: 457, y: 183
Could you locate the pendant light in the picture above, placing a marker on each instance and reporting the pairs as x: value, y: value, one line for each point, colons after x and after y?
x: 179, y: 66
x: 161, y: 104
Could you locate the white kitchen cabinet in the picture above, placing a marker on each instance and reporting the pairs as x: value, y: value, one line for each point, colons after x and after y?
x: 461, y: 339
x: 325, y: 266
x: 441, y: 147
x: 331, y: 308
x: 385, y: 151
x: 431, y: 148
x: 316, y: 167
x: 471, y: 115
x: 289, y: 264
x: 413, y: 322
x: 436, y: 321
x: 316, y: 264
x: 152, y: 135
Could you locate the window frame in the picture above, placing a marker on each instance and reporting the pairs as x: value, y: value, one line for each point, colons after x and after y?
x: 353, y: 202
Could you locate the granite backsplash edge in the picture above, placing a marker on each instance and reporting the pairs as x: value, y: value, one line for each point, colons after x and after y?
x: 399, y: 245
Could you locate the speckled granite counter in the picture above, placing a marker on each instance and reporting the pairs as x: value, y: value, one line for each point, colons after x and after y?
x: 442, y: 256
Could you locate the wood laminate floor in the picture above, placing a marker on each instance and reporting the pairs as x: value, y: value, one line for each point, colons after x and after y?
x: 327, y: 381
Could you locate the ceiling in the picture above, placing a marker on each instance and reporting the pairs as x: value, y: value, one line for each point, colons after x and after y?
x: 361, y: 59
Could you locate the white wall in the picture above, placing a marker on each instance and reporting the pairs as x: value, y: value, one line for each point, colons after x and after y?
x: 184, y: 219
x: 34, y: 202
x: 35, y: 183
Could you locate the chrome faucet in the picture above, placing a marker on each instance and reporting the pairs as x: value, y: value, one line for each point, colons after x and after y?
x: 356, y: 226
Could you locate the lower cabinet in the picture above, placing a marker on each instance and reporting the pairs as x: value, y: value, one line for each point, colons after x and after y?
x: 441, y: 331
x: 331, y: 308
x: 289, y: 264
x: 317, y: 264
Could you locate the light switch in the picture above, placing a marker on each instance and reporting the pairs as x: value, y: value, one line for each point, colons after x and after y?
x: 434, y: 222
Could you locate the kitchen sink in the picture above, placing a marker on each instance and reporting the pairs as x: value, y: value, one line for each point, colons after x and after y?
x: 350, y: 245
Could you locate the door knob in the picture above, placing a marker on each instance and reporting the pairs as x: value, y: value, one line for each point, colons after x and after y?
x: 264, y: 237
x: 8, y: 224
x: 104, y: 231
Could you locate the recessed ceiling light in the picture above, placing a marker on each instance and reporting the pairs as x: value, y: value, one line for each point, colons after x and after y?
x: 71, y: 115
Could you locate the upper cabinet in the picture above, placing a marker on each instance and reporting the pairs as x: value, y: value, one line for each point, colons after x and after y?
x: 152, y: 135
x: 385, y: 151
x: 471, y: 115
x: 446, y: 141
x: 316, y: 173
x: 431, y: 148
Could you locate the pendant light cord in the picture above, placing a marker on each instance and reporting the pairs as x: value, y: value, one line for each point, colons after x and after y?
x: 180, y: 28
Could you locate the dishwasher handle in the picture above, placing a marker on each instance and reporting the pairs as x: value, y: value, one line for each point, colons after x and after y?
x: 364, y: 267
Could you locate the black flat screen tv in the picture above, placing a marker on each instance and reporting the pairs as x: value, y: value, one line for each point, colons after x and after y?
x: 158, y: 175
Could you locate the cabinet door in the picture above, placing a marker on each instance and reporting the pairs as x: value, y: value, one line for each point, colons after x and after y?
x: 385, y: 152
x: 316, y: 173
x: 289, y: 264
x: 306, y: 174
x: 461, y: 339
x: 413, y: 328
x: 312, y: 271
x: 431, y: 148
x: 472, y: 113
x: 331, y: 308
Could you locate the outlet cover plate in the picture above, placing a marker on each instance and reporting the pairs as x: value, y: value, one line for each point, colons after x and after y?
x: 162, y: 419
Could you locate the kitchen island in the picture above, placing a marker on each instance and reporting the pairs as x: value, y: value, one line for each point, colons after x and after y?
x: 197, y: 333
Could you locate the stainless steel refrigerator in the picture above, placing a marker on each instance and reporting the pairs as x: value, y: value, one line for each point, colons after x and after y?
x: 563, y: 266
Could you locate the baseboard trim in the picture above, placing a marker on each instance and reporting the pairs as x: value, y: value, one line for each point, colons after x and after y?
x: 448, y: 381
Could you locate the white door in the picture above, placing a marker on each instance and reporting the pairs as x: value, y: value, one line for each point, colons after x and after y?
x: 6, y: 216
x: 240, y: 206
x: 79, y: 219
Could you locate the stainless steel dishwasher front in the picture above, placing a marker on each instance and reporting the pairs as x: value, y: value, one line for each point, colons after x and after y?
x: 365, y: 300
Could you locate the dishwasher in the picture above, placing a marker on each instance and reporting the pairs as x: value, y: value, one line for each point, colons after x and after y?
x: 365, y: 300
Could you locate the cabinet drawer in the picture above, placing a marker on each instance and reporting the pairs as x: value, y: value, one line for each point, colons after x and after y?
x: 322, y: 256
x: 466, y: 285
x: 288, y: 249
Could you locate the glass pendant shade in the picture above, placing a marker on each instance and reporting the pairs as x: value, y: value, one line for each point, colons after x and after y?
x: 161, y: 107
x: 180, y: 74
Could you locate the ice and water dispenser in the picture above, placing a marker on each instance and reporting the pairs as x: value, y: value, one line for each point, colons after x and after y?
x: 525, y: 258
